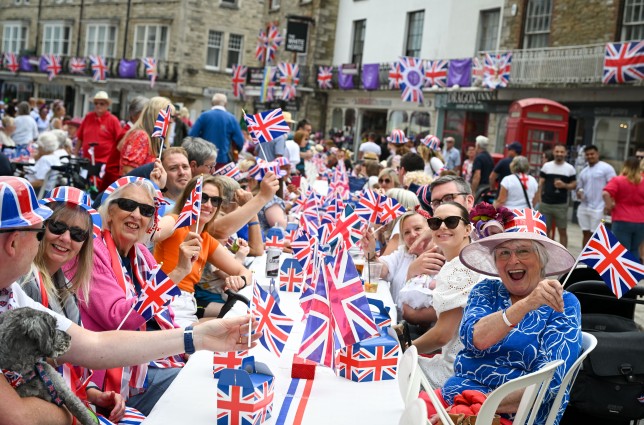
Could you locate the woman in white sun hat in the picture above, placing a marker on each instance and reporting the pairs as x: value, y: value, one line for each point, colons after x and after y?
x: 519, y: 320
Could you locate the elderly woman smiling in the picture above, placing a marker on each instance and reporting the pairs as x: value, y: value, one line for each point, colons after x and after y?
x: 517, y: 322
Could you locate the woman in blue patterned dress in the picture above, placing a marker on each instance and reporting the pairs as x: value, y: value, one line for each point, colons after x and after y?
x: 515, y: 324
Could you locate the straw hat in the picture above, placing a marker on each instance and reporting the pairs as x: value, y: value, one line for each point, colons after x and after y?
x: 102, y: 95
x: 288, y: 117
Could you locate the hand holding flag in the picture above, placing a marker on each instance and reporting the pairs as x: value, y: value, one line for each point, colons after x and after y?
x: 191, y: 211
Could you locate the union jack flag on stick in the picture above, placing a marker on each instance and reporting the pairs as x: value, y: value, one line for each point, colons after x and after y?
x: 274, y: 324
x: 229, y: 170
x: 390, y: 210
x: 623, y: 62
x: 99, y: 68
x: 161, y: 126
x: 150, y: 65
x: 267, y: 126
x: 191, y: 211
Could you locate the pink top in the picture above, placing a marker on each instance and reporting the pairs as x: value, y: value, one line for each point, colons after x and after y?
x: 629, y: 199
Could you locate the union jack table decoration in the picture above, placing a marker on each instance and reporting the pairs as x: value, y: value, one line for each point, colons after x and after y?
x: 274, y: 238
x: 11, y: 62
x: 413, y: 75
x: 623, y: 62
x: 242, y: 400
x: 375, y: 359
x: 496, y: 70
x: 99, y: 68
x: 289, y: 79
x: 227, y: 360
x: 239, y: 80
x: 150, y: 65
x: 291, y: 276
x: 77, y: 65
x: 52, y: 65
x: 324, y: 77
x: 436, y: 73
x: 395, y: 77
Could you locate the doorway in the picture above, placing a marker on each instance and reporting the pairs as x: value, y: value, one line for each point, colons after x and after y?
x: 374, y: 121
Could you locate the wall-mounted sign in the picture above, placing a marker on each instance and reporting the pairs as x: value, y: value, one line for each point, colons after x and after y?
x: 297, y: 34
x: 254, y: 76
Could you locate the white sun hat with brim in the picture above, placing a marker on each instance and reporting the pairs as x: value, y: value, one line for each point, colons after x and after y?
x: 102, y: 95
x: 527, y: 225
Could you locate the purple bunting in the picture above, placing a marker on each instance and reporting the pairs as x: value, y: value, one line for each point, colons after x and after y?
x: 345, y: 81
x: 26, y: 64
x: 459, y: 72
x: 127, y: 68
x: 370, y: 76
x: 42, y: 65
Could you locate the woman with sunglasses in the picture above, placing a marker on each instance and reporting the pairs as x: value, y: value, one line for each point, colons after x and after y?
x: 119, y: 276
x: 388, y: 179
x: 451, y: 233
x: 210, y: 251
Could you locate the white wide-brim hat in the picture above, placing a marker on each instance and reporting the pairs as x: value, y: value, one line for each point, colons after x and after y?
x: 102, y: 95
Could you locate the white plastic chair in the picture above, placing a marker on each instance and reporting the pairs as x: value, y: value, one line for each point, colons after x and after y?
x: 535, y: 384
x: 408, y: 375
x: 415, y: 413
x: 588, y: 344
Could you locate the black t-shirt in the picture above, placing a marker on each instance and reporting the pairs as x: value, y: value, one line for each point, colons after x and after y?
x: 483, y: 162
x: 550, y: 172
x: 502, y: 169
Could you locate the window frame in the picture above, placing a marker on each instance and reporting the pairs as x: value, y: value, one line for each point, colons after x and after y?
x: 157, y: 45
x: 485, y: 21
x: 416, y: 35
x: 216, y: 67
x: 49, y: 41
x: 109, y: 27
x: 274, y: 5
x: 629, y: 28
x: 532, y: 35
x: 355, y: 56
x: 23, y: 40
x: 228, y: 50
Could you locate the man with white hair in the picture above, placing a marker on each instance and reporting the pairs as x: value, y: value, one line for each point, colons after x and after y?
x: 483, y: 164
x: 48, y: 143
x: 220, y: 128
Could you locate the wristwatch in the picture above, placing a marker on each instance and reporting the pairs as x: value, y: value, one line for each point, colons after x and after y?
x: 188, y: 341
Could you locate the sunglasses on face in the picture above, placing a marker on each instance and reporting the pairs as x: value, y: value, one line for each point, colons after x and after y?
x: 451, y: 222
x: 129, y: 205
x: 215, y: 201
x: 39, y: 232
x: 75, y: 233
x: 385, y: 181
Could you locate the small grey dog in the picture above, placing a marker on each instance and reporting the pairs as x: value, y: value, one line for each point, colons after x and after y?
x: 27, y: 338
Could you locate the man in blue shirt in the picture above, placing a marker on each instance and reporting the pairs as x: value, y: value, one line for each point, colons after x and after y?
x: 220, y: 128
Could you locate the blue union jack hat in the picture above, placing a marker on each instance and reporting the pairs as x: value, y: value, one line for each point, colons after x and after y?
x: 432, y: 142
x: 527, y: 224
x: 19, y: 205
x: 397, y: 137
x: 76, y: 197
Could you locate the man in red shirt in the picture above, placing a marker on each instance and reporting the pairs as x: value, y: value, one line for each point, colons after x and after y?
x: 100, y: 127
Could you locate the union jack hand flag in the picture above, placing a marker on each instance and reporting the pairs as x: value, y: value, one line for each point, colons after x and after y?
x: 260, y: 50
x: 157, y: 293
x: 436, y: 73
x: 150, y: 65
x: 190, y: 212
x: 274, y: 324
x: 130, y: 417
x: 239, y: 80
x: 623, y: 62
x: 162, y: 123
x: 291, y: 231
x: 274, y: 238
x: 413, y: 76
x: 477, y: 72
x: 77, y: 65
x: 324, y: 77
x: 496, y: 70
x: 303, y: 247
x: 374, y: 362
x: 619, y: 269
x: 273, y: 42
x: 289, y: 79
x: 99, y: 68
x: 346, y: 229
x: 527, y: 220
x: 229, y: 170
x: 11, y: 62
x: 291, y: 276
x: 369, y: 206
x: 390, y: 210
x: 309, y: 223
x: 268, y: 125
x: 395, y: 76
x: 52, y: 66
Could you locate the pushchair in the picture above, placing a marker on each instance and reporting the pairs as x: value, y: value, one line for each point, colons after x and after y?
x: 610, y: 386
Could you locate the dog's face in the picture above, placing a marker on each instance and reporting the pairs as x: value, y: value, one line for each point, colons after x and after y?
x: 30, y: 333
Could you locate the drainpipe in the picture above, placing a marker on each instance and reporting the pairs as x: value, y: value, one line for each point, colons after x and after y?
x: 127, y: 26
x: 80, y: 27
x: 38, y: 26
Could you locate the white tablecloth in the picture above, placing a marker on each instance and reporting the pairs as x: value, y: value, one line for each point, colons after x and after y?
x: 192, y: 397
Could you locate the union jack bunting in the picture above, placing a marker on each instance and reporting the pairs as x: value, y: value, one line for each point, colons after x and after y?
x: 239, y: 80
x: 395, y: 76
x: 291, y: 276
x: 324, y: 77
x: 346, y: 229
x: 375, y: 359
x: 623, y: 62
x: 274, y: 324
x: 52, y: 65
x: 496, y: 70
x: 369, y: 206
x: 289, y: 79
x: 436, y: 73
x: 477, y: 72
x: 268, y: 125
x: 77, y: 65
x: 150, y: 65
x: 11, y: 62
x: 273, y: 42
x: 157, y: 293
x: 619, y: 269
x: 229, y: 170
x: 274, y: 238
x: 390, y: 210
x: 190, y: 212
x: 162, y: 123
x: 527, y: 220
x: 413, y: 76
x: 227, y: 360
x: 244, y: 405
x: 260, y: 50
x: 99, y: 68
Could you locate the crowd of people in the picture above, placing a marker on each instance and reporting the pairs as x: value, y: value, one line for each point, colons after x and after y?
x: 469, y: 290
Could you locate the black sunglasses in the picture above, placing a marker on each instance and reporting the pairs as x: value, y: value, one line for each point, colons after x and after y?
x: 387, y: 181
x: 76, y: 233
x: 39, y: 232
x: 451, y: 222
x: 129, y: 205
x: 214, y: 200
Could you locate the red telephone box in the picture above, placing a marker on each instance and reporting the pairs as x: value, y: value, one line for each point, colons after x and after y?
x: 538, y: 124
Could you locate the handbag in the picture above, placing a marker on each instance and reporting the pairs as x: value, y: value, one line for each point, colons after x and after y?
x: 524, y: 192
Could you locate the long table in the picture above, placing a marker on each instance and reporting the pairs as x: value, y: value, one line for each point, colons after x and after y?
x: 192, y: 397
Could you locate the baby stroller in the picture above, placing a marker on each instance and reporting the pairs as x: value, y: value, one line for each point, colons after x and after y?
x: 610, y: 386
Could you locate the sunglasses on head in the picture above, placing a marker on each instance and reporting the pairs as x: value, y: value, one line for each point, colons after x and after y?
x: 129, y: 205
x: 75, y: 233
x: 40, y: 232
x: 451, y: 222
x: 214, y: 200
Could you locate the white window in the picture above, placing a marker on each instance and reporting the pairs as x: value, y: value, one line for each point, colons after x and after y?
x: 14, y: 37
x: 415, y: 22
x: 213, y: 55
x: 359, y: 29
x: 101, y: 40
x: 274, y: 4
x: 151, y: 41
x: 537, y: 24
x: 56, y: 39
x: 235, y: 42
x: 633, y: 25
x: 488, y: 29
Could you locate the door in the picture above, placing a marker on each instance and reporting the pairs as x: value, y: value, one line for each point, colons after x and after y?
x: 537, y: 141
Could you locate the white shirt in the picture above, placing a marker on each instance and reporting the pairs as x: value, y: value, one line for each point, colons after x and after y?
x: 592, y: 180
x: 398, y: 263
x: 370, y: 146
x: 26, y: 130
x: 41, y: 171
x: 433, y: 167
x: 20, y: 299
x: 293, y: 152
x: 516, y: 198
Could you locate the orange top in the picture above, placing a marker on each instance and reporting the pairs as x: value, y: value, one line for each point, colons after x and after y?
x: 167, y: 252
